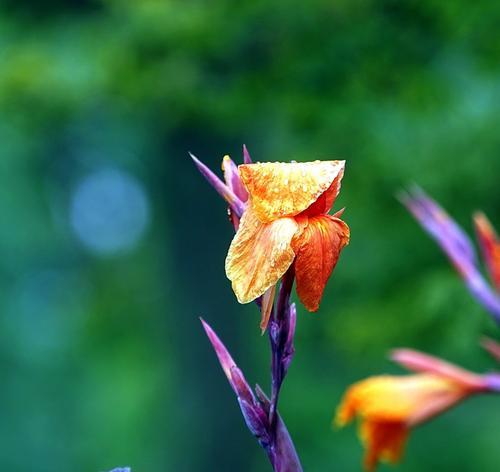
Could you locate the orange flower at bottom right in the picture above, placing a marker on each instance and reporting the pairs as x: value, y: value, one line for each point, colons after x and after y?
x: 389, y: 406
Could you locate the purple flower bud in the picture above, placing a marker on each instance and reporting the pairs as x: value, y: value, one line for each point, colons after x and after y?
x: 254, y: 413
x: 232, y: 178
x: 236, y: 205
x: 455, y: 244
x: 233, y: 373
x: 256, y: 421
x: 275, y: 331
x: 289, y: 350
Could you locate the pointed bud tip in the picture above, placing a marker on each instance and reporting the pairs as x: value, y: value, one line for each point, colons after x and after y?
x: 246, y: 155
x: 196, y: 161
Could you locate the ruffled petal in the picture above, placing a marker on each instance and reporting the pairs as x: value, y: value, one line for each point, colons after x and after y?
x: 259, y: 255
x: 286, y: 189
x: 318, y: 247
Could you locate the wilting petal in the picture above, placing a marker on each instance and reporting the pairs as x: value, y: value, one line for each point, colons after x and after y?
x: 325, y: 201
x: 490, y: 246
x: 318, y: 248
x: 259, y: 255
x: 286, y: 189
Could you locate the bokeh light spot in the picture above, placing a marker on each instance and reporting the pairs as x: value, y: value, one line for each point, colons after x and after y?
x: 109, y: 211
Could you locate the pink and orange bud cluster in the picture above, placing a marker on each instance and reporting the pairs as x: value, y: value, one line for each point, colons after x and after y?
x: 390, y: 406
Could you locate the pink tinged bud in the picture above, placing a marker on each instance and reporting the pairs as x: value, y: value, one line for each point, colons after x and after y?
x: 246, y: 155
x: 236, y: 205
x: 439, y: 223
x: 442, y: 228
x: 455, y: 244
x: 492, y: 347
x: 232, y: 178
x: 490, y: 246
x: 254, y: 414
x: 424, y: 363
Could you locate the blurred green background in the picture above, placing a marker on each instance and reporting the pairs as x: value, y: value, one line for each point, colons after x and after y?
x: 112, y: 245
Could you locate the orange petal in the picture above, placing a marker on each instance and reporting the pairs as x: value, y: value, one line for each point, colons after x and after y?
x: 318, y: 248
x: 286, y: 189
x: 383, y: 441
x: 389, y: 406
x: 490, y: 246
x: 259, y: 255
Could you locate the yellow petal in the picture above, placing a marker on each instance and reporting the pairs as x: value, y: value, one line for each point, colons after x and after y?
x: 259, y: 255
x: 400, y: 398
x: 286, y: 189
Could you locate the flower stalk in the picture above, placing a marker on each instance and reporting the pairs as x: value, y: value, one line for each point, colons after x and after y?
x: 281, y: 333
x: 284, y: 236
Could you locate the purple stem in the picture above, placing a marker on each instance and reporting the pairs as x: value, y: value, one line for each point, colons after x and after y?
x: 284, y: 457
x: 279, y: 331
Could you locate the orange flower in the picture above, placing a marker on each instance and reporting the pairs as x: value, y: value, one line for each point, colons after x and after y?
x: 388, y: 406
x: 287, y: 221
